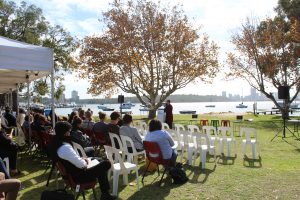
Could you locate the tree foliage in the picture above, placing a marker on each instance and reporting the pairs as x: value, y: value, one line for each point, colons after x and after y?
x: 26, y: 23
x: 147, y: 50
x: 267, y: 56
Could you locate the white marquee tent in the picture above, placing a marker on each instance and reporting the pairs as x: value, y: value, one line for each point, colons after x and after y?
x: 21, y: 62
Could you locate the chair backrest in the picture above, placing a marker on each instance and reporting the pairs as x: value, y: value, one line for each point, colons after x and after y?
x: 165, y: 126
x: 79, y: 150
x: 209, y: 130
x: 114, y: 157
x: 248, y: 133
x: 225, y: 131
x: 115, y: 138
x: 187, y: 137
x: 179, y: 127
x: 153, y: 152
x: 174, y: 135
x: 127, y: 142
x: 144, y: 125
x: 193, y: 128
x: 201, y: 139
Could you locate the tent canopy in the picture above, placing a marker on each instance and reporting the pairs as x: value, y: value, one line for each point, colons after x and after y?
x: 19, y: 60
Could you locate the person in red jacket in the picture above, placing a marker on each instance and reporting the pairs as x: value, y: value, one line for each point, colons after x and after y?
x: 169, y: 114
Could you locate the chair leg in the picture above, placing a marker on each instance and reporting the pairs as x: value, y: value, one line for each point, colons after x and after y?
x: 50, y: 174
x: 145, y: 172
x: 115, y: 183
x: 94, y: 194
x: 83, y: 195
x: 253, y: 150
x: 162, y: 176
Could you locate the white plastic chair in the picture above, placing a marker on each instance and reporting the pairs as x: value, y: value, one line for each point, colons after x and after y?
x: 226, y: 138
x: 78, y: 149
x: 211, y: 132
x: 249, y: 136
x: 113, y: 138
x: 203, y: 146
x: 165, y: 126
x: 174, y: 136
x: 120, y: 167
x: 131, y: 157
x: 179, y: 127
x: 193, y: 129
x: 189, y: 145
x: 6, y: 163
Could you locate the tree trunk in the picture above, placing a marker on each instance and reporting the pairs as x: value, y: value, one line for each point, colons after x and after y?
x: 152, y: 114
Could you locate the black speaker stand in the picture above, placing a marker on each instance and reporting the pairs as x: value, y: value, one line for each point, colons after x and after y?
x: 283, y: 129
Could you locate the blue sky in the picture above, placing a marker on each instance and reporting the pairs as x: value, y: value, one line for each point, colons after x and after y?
x: 218, y: 18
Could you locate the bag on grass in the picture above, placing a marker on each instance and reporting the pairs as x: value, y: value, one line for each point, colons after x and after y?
x: 178, y: 174
x: 56, y: 195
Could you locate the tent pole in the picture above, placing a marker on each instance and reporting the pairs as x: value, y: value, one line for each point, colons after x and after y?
x: 18, y: 98
x: 28, y: 111
x: 52, y: 97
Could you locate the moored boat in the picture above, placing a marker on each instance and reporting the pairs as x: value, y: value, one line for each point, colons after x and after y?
x: 187, y: 112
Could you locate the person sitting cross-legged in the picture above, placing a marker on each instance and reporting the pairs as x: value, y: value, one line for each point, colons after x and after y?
x: 77, y: 166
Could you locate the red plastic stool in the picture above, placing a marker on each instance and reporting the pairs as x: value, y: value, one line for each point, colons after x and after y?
x: 204, y: 122
x: 225, y: 122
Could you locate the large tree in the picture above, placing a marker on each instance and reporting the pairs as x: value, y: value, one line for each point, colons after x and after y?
x: 26, y: 23
x: 146, y: 50
x: 267, y: 56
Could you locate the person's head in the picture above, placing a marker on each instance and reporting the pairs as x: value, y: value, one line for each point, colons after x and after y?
x: 7, y: 109
x: 155, y: 125
x: 115, y: 115
x: 88, y: 114
x: 127, y: 119
x: 81, y: 113
x: 77, y: 121
x: 42, y: 119
x: 21, y: 111
x: 168, y: 101
x: 62, y: 129
x: 102, y: 116
x: 71, y: 116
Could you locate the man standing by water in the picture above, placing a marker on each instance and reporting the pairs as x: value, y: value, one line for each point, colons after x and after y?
x: 169, y: 114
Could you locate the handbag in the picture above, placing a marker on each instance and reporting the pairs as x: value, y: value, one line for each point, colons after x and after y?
x: 56, y: 195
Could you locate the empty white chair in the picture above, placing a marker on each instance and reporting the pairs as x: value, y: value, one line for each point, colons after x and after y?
x: 189, y: 145
x: 226, y: 137
x: 115, y: 138
x: 6, y: 163
x: 179, y: 127
x: 249, y: 136
x: 131, y: 156
x: 193, y: 128
x: 203, y: 146
x: 120, y: 167
x: 78, y: 149
x: 211, y: 132
x: 165, y: 126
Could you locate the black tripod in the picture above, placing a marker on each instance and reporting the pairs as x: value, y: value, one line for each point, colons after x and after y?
x: 283, y: 128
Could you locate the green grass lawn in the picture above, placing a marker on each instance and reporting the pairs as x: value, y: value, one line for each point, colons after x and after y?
x: 276, y: 175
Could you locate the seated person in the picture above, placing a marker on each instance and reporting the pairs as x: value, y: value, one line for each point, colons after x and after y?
x: 101, y: 127
x: 9, y: 149
x: 81, y: 113
x: 76, y: 166
x: 88, y: 123
x: 11, y: 120
x: 71, y: 116
x: 131, y: 132
x: 113, y: 126
x: 9, y: 187
x: 40, y: 123
x: 164, y: 140
x: 80, y: 138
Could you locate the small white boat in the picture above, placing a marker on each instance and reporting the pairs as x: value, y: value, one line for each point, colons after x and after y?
x: 127, y: 105
x: 144, y: 108
x: 105, y: 108
x: 241, y: 105
x: 187, y: 112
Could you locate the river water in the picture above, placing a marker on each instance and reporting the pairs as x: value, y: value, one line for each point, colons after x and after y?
x: 199, y: 107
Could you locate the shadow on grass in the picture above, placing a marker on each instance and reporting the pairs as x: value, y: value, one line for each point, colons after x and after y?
x: 195, y: 173
x: 252, y: 163
x: 226, y: 160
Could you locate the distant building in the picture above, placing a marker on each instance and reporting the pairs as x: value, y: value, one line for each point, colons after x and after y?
x: 253, y: 94
x: 224, y: 94
x: 74, y: 96
x: 62, y: 98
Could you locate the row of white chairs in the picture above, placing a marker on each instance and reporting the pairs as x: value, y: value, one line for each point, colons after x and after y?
x: 194, y: 140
